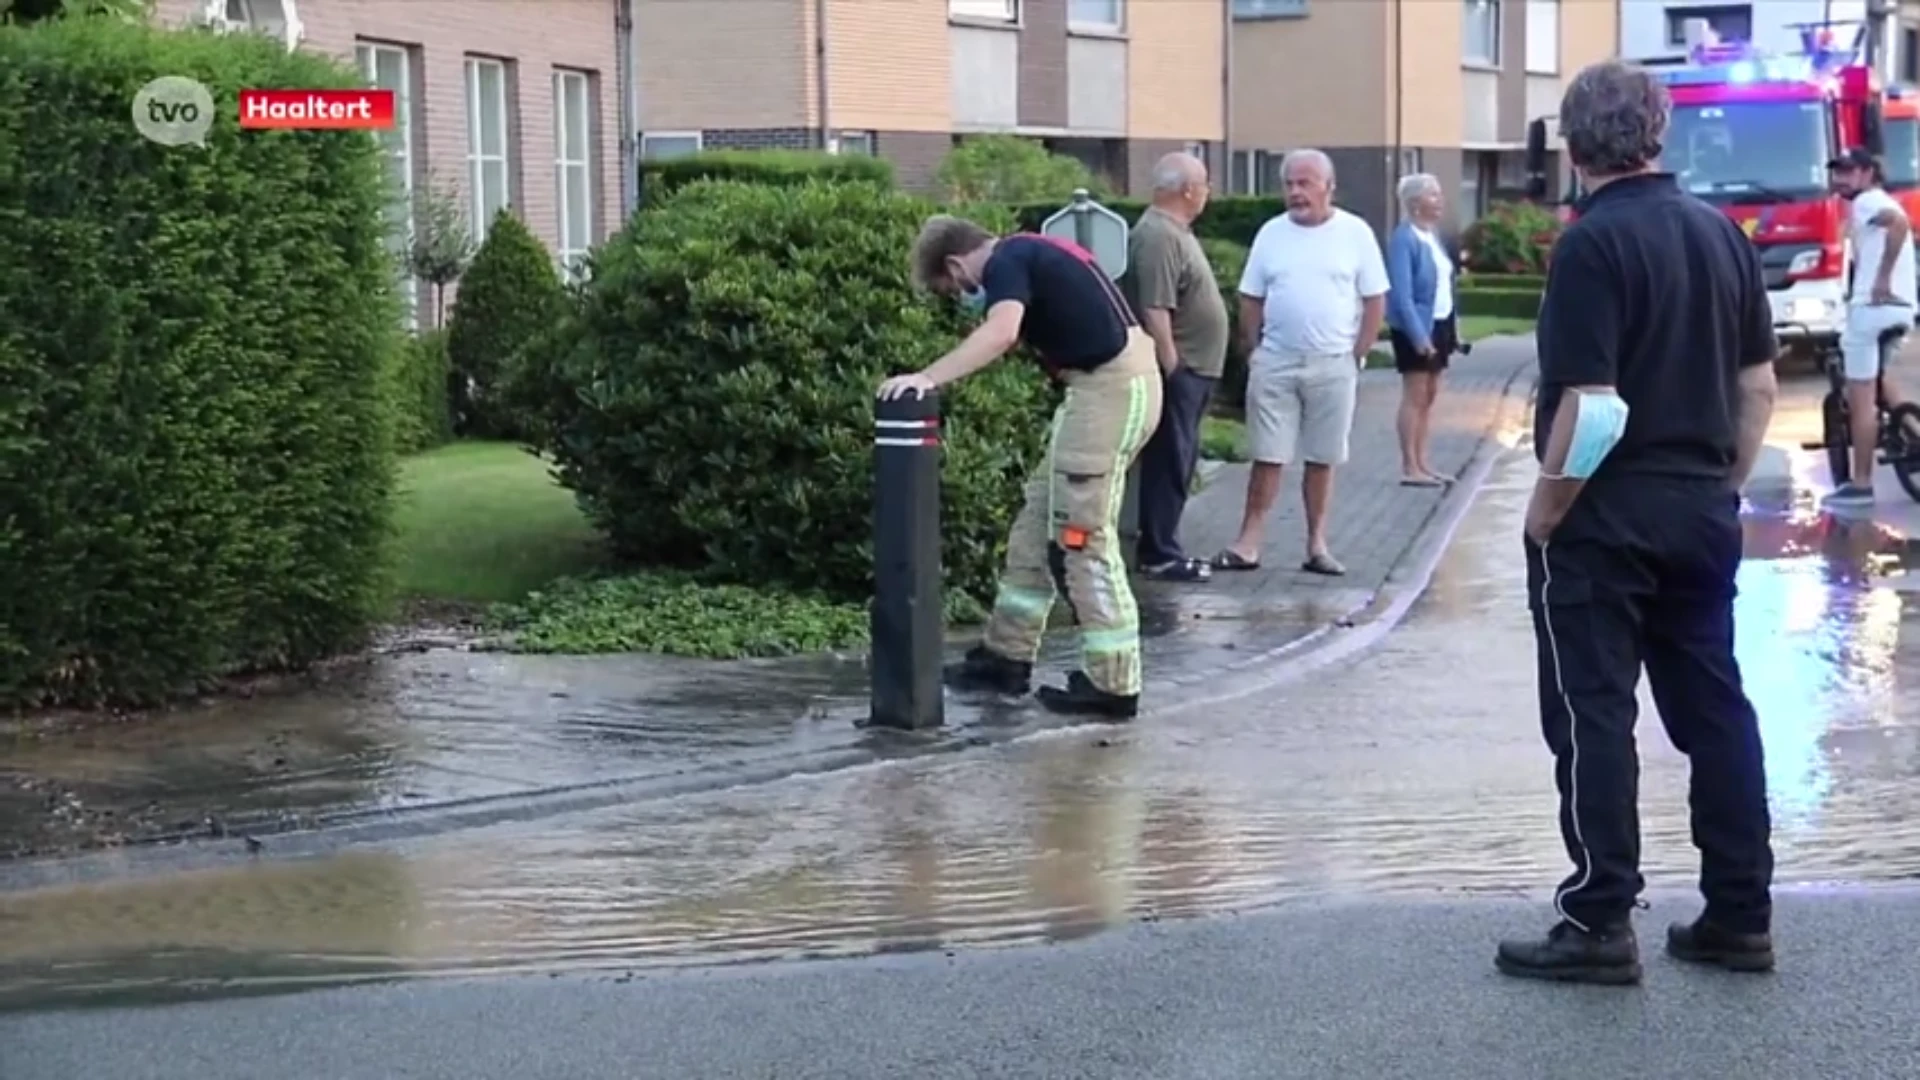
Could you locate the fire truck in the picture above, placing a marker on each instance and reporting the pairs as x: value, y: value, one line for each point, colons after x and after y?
x: 1753, y: 133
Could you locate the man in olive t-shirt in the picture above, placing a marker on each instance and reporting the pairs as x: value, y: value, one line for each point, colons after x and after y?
x: 1171, y: 287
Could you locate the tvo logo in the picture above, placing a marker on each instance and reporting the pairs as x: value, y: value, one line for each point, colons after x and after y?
x: 173, y: 111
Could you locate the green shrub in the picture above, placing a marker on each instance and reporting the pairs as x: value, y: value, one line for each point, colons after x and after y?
x: 1229, y: 261
x: 782, y: 168
x: 1011, y: 169
x: 510, y: 295
x: 712, y: 402
x: 417, y: 392
x: 1511, y: 238
x: 194, y: 454
x: 1501, y: 303
x: 1235, y: 219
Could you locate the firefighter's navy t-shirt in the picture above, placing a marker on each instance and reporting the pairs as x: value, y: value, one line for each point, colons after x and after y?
x: 1075, y: 318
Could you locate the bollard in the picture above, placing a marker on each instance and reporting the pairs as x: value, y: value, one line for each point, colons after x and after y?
x: 909, y: 619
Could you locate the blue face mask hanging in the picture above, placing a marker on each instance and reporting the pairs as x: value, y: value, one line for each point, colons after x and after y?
x: 974, y: 300
x: 1597, y: 429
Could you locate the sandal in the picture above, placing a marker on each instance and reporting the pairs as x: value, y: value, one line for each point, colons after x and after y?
x: 1323, y: 564
x: 1229, y: 559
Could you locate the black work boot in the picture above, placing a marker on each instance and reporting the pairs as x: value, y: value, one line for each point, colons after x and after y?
x: 986, y: 670
x: 1608, y: 956
x: 1702, y: 942
x: 1081, y: 698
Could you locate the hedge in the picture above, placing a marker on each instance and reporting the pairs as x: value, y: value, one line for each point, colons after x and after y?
x: 195, y: 458
x: 1502, y: 303
x: 661, y: 179
x: 1233, y: 218
x: 1536, y: 281
x: 417, y: 392
x: 711, y: 401
x: 1229, y: 261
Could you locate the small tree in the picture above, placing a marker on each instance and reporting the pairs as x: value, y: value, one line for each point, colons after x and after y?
x: 1010, y: 169
x: 442, y: 244
x: 508, y: 298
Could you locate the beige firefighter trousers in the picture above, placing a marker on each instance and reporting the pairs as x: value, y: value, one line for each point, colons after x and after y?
x: 1066, y: 539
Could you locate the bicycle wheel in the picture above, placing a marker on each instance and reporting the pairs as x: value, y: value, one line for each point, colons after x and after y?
x: 1838, y: 437
x: 1903, y: 446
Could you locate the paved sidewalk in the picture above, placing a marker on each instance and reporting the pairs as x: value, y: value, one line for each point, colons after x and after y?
x: 1197, y: 628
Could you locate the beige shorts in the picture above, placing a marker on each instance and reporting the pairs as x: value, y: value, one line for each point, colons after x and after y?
x: 1300, y: 408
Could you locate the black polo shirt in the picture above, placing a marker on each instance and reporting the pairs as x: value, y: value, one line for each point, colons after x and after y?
x: 1076, y: 317
x: 1661, y: 296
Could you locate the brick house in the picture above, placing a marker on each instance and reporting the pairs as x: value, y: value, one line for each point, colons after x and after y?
x: 507, y: 103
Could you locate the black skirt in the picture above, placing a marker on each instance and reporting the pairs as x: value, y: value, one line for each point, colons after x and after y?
x: 1407, y: 359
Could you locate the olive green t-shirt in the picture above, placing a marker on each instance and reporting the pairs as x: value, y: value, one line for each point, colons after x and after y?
x: 1166, y: 268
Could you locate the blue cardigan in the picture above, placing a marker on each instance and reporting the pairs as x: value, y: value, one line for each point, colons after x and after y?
x: 1413, y: 278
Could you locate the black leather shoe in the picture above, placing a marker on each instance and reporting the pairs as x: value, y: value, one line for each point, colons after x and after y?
x: 1701, y: 942
x: 1608, y: 956
x: 1081, y: 698
x: 988, y: 671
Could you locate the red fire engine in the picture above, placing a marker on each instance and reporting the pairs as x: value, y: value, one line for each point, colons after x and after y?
x: 1752, y: 134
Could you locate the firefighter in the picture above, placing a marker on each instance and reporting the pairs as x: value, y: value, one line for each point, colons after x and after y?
x: 1050, y: 295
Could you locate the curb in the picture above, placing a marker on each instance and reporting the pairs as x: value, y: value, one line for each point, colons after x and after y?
x: 1355, y: 630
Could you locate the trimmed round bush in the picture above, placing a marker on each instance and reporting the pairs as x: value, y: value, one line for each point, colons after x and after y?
x: 712, y: 399
x: 510, y: 295
x: 195, y: 460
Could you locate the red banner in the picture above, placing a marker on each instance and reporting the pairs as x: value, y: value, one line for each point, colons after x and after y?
x: 330, y: 110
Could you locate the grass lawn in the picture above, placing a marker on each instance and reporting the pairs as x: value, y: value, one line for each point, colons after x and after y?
x: 482, y: 522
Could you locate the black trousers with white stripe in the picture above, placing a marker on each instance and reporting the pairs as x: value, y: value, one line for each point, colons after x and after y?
x: 1641, y: 574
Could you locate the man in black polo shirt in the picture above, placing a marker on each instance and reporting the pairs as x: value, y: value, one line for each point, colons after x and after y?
x: 1656, y: 384
x: 1050, y: 295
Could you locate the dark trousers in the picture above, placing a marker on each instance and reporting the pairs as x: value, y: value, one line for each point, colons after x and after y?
x: 1642, y: 573
x: 1166, y: 465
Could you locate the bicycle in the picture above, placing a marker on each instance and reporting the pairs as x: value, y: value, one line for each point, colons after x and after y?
x: 1899, y: 425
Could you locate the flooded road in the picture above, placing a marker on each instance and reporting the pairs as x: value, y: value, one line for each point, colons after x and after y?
x: 1415, y: 768
x: 418, y: 732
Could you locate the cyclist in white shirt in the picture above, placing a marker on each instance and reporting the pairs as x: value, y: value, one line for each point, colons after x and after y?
x: 1882, y: 299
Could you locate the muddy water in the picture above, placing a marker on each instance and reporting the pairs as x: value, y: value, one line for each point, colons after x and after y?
x: 1416, y: 768
x: 417, y: 731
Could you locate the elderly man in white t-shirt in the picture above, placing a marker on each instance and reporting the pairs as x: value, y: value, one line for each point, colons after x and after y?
x: 1312, y: 301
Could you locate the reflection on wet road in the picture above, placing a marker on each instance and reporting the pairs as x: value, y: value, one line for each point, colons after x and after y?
x: 1416, y: 767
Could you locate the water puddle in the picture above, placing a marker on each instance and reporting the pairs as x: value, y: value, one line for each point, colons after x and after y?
x: 1416, y: 768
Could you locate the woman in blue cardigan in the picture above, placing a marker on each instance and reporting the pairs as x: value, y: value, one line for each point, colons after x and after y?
x: 1419, y: 318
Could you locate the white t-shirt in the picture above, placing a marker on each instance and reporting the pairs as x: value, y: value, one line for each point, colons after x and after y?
x: 1443, y: 266
x: 1313, y: 278
x: 1870, y: 243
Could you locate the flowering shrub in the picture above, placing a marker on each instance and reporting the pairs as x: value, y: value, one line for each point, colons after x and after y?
x: 1511, y: 238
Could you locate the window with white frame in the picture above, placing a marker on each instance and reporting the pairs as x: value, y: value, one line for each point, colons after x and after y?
x: 390, y: 67
x: 1543, y: 37
x: 1269, y: 9
x: 488, y: 177
x: 990, y: 10
x: 1729, y: 22
x: 1480, y: 32
x: 573, y: 98
x: 1095, y: 14
x: 855, y: 142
